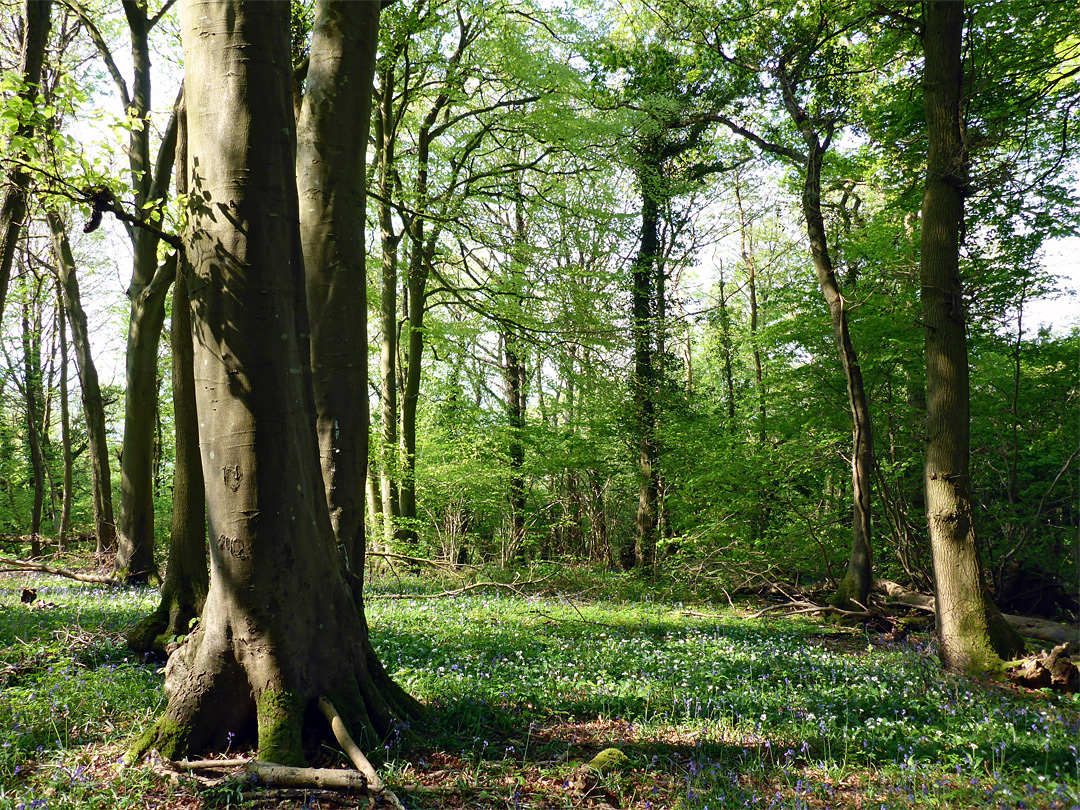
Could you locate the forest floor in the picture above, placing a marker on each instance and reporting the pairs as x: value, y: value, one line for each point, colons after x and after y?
x: 710, y: 707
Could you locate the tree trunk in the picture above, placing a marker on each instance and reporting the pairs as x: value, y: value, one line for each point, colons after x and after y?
x: 93, y: 406
x: 149, y: 288
x: 31, y: 344
x: 856, y: 584
x: 280, y: 627
x: 643, y: 381
x: 183, y: 593
x: 65, y: 424
x: 36, y: 16
x: 386, y: 134
x: 750, y: 263
x: 974, y: 636
x: 331, y: 139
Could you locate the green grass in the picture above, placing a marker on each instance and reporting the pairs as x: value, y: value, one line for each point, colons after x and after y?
x: 712, y: 712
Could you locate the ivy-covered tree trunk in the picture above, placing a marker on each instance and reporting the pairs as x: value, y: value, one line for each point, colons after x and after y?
x: 280, y: 628
x: 974, y: 636
x: 643, y: 382
x: 93, y: 405
x: 37, y: 20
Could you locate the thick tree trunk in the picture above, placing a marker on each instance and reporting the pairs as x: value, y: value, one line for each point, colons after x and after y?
x: 974, y: 636
x: 135, y: 546
x: 36, y: 17
x: 93, y: 406
x: 330, y: 163
x: 280, y: 627
x: 183, y: 593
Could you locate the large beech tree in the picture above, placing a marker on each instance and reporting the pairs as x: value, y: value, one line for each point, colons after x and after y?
x: 281, y: 627
x: 974, y: 636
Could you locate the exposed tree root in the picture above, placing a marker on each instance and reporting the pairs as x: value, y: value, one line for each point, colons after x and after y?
x: 356, y: 756
x: 11, y: 565
x: 274, y: 780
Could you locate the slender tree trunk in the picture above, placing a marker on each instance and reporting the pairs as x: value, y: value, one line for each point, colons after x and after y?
x: 31, y: 340
x: 36, y: 18
x: 727, y: 348
x: 750, y: 263
x: 148, y: 290
x: 386, y: 135
x: 643, y: 383
x: 65, y: 424
x: 974, y: 636
x: 93, y: 406
x: 855, y: 587
x: 280, y: 628
x: 183, y: 593
x: 416, y: 298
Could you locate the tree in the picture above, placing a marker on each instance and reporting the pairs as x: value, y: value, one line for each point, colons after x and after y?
x: 974, y: 636
x: 93, y: 403
x: 281, y: 627
x: 183, y: 593
x: 150, y: 280
x: 36, y: 20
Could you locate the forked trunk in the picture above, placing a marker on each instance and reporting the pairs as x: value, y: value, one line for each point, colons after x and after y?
x: 280, y: 627
x: 974, y: 636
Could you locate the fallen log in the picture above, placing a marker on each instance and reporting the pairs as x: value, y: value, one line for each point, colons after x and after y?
x: 11, y: 565
x: 1048, y: 670
x: 1040, y: 629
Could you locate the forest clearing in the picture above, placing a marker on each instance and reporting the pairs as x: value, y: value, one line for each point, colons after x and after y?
x: 709, y: 706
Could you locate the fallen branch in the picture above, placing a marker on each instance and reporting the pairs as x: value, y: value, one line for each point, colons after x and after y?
x: 798, y: 607
x: 514, y: 587
x: 1032, y: 628
x: 42, y: 568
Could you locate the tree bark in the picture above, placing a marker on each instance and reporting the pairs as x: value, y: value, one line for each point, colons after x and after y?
x: 280, y: 627
x: 93, y: 406
x: 386, y: 136
x: 31, y: 345
x: 36, y: 15
x: 65, y: 424
x: 183, y: 593
x: 643, y: 382
x: 330, y: 165
x: 149, y: 287
x: 974, y: 636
